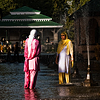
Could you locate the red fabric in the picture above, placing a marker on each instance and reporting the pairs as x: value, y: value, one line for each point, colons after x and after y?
x: 32, y: 62
x: 26, y: 65
x: 30, y: 79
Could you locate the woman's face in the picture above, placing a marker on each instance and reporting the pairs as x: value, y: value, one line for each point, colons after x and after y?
x: 63, y: 37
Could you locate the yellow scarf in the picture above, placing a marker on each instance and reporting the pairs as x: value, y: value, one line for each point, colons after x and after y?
x: 63, y: 43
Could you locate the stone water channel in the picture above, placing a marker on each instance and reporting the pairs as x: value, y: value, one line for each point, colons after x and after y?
x: 12, y: 82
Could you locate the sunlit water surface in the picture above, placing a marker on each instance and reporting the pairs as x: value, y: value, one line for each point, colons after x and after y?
x: 12, y: 85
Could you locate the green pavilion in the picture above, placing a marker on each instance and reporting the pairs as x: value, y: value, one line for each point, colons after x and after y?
x: 16, y: 26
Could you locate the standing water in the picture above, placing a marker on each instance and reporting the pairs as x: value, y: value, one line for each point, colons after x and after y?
x: 47, y: 87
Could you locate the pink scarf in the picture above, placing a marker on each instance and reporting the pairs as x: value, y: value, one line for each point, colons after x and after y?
x: 31, y: 37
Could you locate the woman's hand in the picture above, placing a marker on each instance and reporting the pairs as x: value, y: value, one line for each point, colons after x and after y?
x: 56, y: 60
x: 72, y: 63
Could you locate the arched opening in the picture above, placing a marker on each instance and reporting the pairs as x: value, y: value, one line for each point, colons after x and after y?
x: 93, y: 31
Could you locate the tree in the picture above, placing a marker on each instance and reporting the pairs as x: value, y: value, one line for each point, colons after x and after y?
x: 7, y: 6
x: 59, y: 8
x: 45, y: 6
x: 76, y: 4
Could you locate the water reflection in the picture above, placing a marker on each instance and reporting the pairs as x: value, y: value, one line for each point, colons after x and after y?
x: 63, y: 91
x: 31, y: 94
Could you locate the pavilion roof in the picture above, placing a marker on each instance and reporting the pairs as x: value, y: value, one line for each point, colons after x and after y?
x: 25, y: 9
x: 29, y: 17
x: 29, y: 24
x: 26, y: 17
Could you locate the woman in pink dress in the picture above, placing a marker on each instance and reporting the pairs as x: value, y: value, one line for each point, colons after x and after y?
x: 31, y: 65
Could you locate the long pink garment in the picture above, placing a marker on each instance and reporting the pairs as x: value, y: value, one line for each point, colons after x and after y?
x: 30, y: 79
x: 31, y: 64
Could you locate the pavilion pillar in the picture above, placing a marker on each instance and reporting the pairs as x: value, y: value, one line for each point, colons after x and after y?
x: 55, y: 34
x: 6, y: 34
x: 19, y: 34
x: 41, y: 31
x: 55, y: 37
x: 20, y: 42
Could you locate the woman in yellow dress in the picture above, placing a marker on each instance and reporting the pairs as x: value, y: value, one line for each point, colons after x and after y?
x: 64, y: 57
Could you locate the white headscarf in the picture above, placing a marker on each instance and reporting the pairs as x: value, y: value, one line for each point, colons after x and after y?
x: 31, y: 37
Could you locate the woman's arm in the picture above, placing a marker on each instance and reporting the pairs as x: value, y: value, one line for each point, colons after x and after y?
x: 57, y: 57
x: 34, y: 47
x: 26, y: 49
x: 71, y: 52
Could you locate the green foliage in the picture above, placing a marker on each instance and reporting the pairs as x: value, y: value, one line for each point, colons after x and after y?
x: 59, y: 8
x: 7, y: 6
x: 69, y: 26
x: 76, y: 4
x: 45, y: 6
